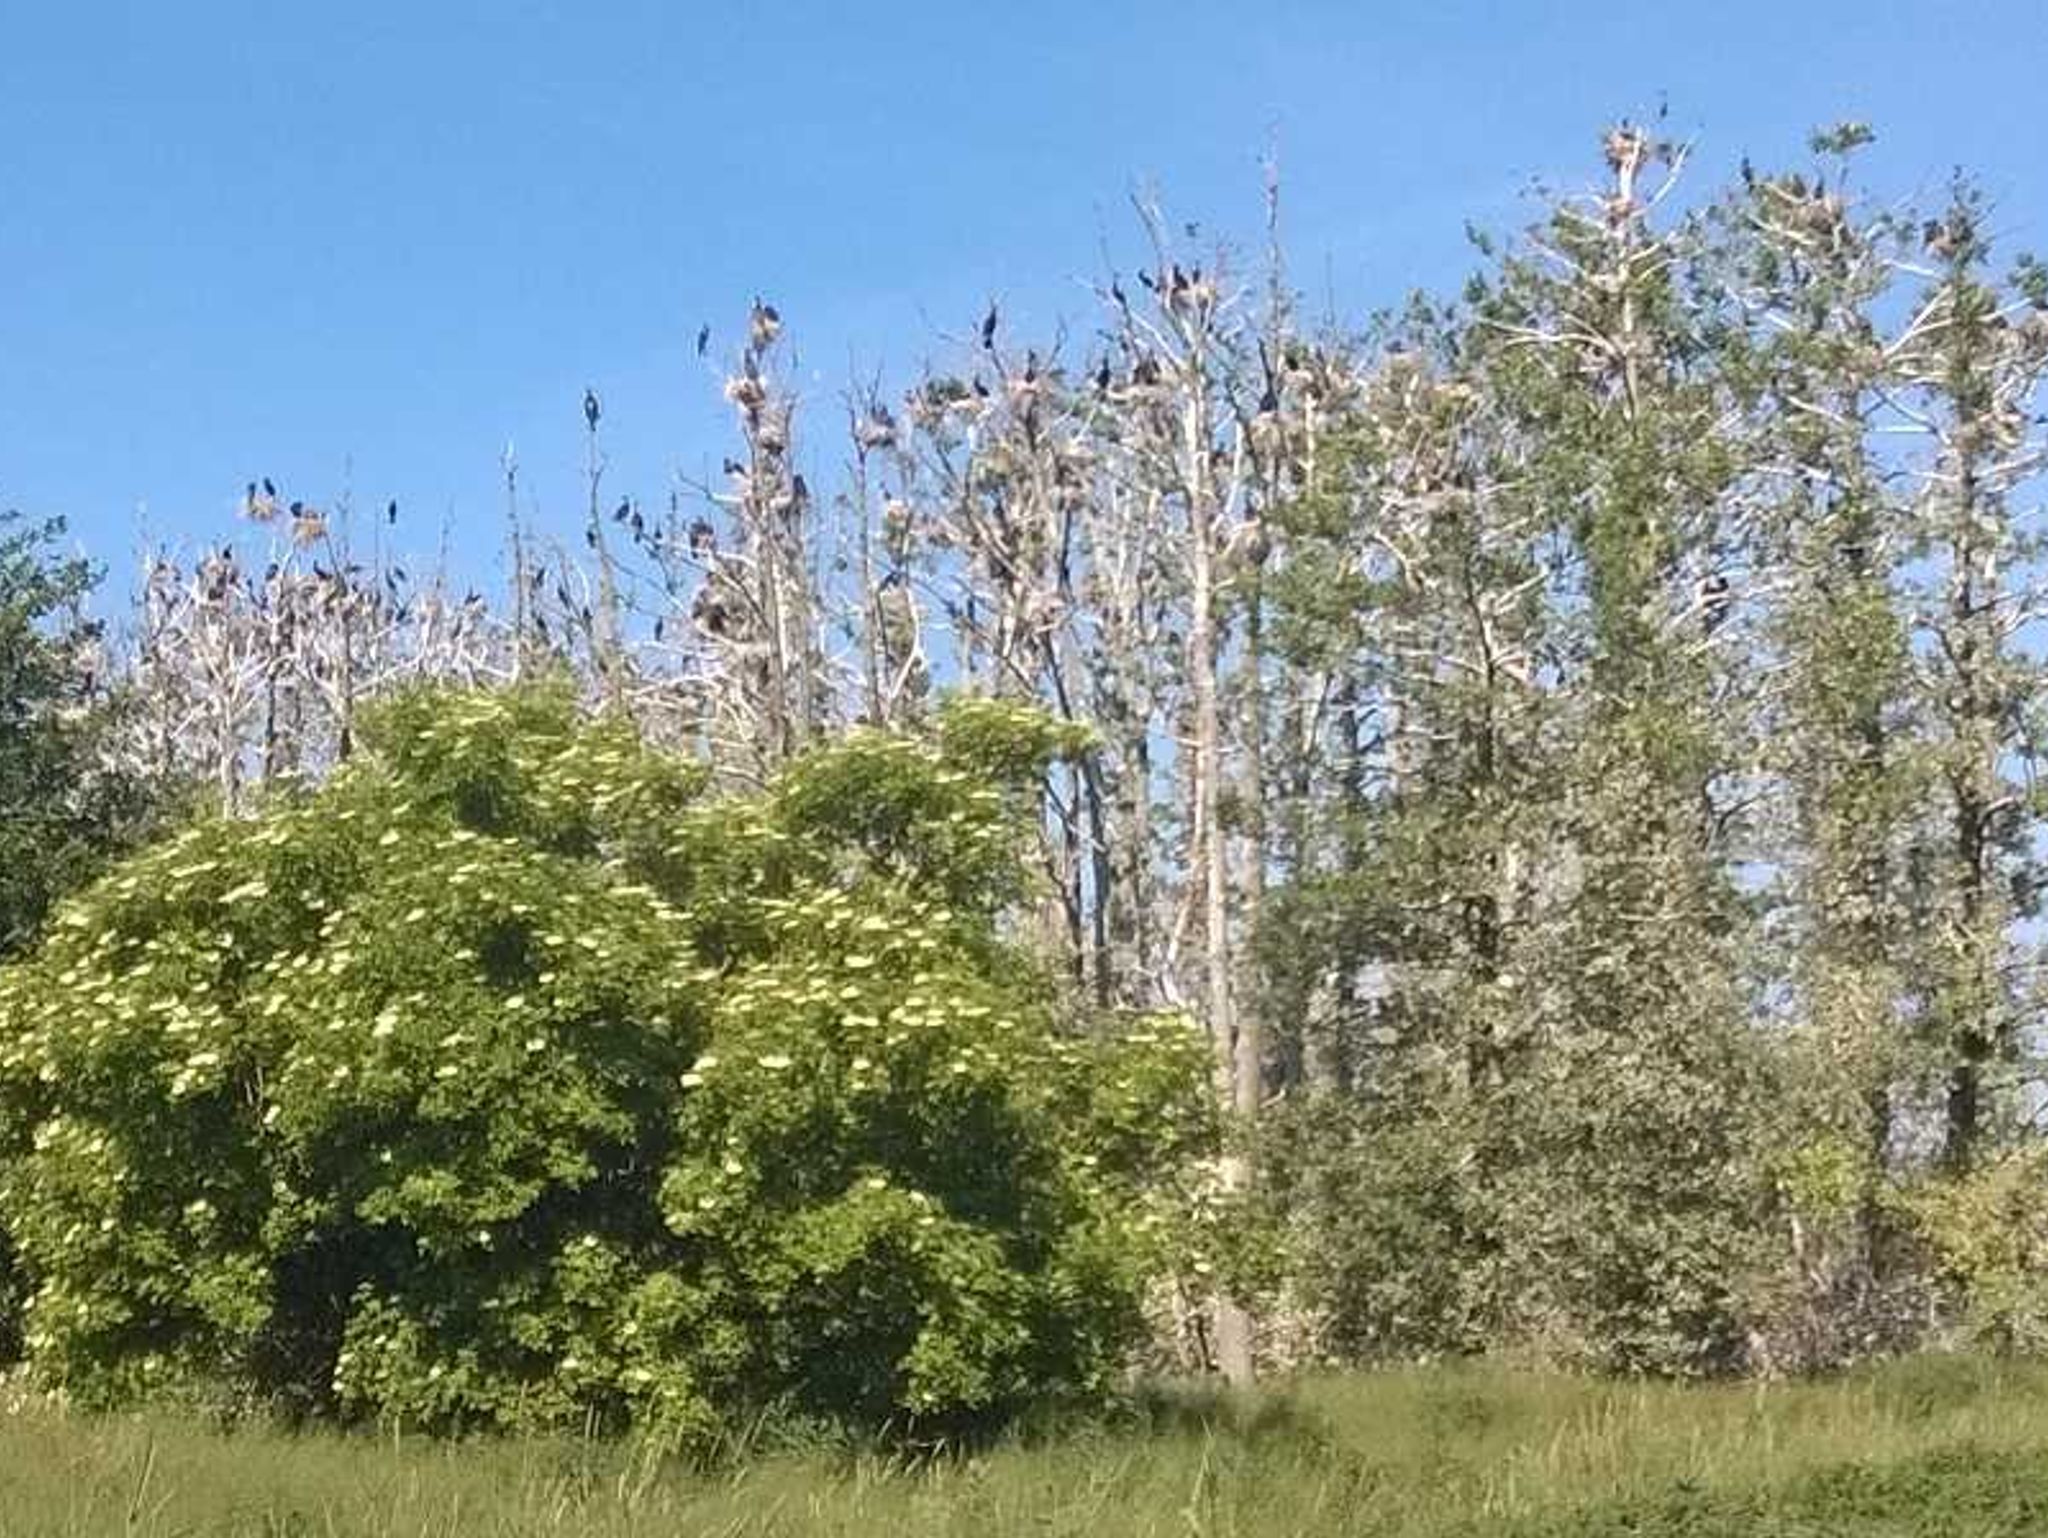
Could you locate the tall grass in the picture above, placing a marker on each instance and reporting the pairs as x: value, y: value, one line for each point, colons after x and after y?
x: 1928, y: 1447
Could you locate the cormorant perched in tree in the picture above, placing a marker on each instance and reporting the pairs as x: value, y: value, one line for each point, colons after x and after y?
x: 1116, y: 292
x: 709, y: 612
x: 591, y: 411
x: 765, y: 322
x: 1102, y: 376
x: 988, y: 328
x: 391, y: 511
x: 1945, y: 237
x: 268, y: 489
x: 623, y: 510
x: 703, y: 339
x: 1715, y: 601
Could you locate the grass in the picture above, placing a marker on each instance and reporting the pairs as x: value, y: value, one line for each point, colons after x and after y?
x: 1947, y: 1447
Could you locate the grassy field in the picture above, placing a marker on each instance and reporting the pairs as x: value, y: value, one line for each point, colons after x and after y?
x: 1923, y: 1448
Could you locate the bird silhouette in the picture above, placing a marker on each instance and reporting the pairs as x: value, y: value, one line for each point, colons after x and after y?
x: 391, y: 511
x: 591, y: 410
x: 1715, y: 600
x: 988, y: 327
x: 703, y: 340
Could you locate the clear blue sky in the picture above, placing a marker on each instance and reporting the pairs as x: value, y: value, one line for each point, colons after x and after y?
x: 368, y: 243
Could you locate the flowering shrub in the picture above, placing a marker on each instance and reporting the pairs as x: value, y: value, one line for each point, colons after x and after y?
x: 513, y: 1080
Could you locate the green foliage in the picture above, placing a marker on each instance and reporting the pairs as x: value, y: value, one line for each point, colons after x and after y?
x: 510, y: 1081
x: 62, y: 809
x: 1988, y: 1229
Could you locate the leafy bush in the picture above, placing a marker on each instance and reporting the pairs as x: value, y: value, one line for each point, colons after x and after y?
x: 512, y: 1080
x: 1988, y: 1229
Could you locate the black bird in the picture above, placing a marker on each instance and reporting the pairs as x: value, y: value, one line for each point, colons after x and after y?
x: 980, y: 389
x: 623, y: 511
x: 591, y: 410
x: 1102, y: 376
x: 703, y: 339
x: 590, y: 538
x: 298, y: 509
x: 1715, y: 600
x: 799, y: 488
x: 391, y: 511
x: 988, y: 327
x: 1116, y: 292
x: 659, y: 626
x: 734, y: 467
x: 268, y: 489
x: 1145, y: 281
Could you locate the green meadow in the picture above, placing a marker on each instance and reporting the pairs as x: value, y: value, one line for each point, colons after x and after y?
x: 1925, y: 1447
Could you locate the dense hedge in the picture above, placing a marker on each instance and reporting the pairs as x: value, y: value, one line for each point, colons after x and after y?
x: 513, y: 1079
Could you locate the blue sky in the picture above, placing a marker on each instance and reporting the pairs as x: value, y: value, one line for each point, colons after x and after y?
x: 366, y: 245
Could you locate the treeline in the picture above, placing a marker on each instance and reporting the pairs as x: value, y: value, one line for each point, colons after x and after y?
x: 1571, y: 744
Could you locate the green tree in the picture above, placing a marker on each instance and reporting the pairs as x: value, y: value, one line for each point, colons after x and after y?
x: 63, y: 808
